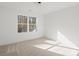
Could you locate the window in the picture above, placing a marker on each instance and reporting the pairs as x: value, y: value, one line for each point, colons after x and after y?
x: 32, y: 24
x: 26, y: 24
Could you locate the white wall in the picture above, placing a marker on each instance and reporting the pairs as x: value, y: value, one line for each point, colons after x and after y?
x: 65, y: 21
x: 8, y: 26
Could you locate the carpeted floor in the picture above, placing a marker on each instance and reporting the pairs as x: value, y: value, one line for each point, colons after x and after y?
x: 37, y: 47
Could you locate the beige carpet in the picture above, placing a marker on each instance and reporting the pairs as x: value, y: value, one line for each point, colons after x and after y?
x: 29, y: 48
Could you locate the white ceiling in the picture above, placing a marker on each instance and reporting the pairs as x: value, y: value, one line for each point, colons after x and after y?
x: 34, y: 8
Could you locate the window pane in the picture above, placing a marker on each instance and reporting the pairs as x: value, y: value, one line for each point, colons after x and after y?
x: 22, y: 23
x: 32, y: 24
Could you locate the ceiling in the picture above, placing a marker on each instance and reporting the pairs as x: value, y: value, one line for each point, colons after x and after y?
x: 34, y: 8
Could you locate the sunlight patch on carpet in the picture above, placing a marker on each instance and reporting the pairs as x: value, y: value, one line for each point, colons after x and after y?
x: 63, y: 51
x: 43, y: 46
